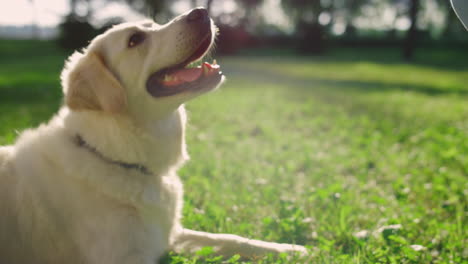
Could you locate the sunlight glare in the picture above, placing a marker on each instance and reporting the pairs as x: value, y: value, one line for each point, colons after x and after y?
x: 180, y: 6
x: 21, y: 12
x: 223, y: 7
x: 17, y: 12
x: 324, y: 18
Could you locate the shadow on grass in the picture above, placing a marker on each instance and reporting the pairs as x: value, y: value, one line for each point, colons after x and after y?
x: 371, y: 86
x: 443, y: 58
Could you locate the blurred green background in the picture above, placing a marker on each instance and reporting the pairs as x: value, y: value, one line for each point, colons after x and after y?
x: 343, y: 125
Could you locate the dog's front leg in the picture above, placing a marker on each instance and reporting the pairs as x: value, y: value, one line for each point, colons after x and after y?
x: 189, y: 241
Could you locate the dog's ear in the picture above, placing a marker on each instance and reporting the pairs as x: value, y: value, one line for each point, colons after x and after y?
x: 89, y: 85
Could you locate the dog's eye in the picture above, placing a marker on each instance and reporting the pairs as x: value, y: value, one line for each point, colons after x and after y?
x: 135, y: 39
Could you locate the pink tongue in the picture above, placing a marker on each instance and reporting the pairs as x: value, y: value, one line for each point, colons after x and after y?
x: 188, y: 75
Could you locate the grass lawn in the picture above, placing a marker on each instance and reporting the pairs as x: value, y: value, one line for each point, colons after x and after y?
x: 357, y: 155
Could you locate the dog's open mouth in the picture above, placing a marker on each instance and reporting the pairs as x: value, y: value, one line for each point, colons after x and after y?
x: 185, y: 76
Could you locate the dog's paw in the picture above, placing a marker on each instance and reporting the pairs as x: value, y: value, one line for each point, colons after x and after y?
x: 294, y: 249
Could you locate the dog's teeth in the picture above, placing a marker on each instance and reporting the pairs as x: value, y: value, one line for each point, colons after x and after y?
x: 168, y: 78
x: 206, y: 70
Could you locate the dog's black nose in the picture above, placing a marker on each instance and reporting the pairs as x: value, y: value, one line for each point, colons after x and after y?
x: 198, y: 14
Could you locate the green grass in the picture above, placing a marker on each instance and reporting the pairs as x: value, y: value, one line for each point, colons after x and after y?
x: 309, y: 150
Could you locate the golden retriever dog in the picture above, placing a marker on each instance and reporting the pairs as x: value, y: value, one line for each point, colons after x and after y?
x: 97, y: 184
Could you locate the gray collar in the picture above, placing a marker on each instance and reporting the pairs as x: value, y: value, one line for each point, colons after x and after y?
x: 80, y: 142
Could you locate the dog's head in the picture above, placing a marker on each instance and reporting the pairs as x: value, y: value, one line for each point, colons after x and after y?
x: 143, y: 68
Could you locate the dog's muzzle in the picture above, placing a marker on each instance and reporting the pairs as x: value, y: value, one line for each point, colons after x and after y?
x: 181, y: 78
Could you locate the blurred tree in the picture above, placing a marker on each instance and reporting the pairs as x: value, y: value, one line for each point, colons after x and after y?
x: 76, y: 30
x: 149, y: 7
x: 349, y: 9
x: 308, y: 10
x: 209, y: 3
x: 250, y: 7
x: 305, y: 14
x: 73, y: 4
x: 206, y: 3
x: 236, y: 27
x: 409, y: 43
x: 314, y: 19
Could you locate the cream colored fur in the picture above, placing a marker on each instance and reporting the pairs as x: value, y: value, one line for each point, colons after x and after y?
x: 61, y: 203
